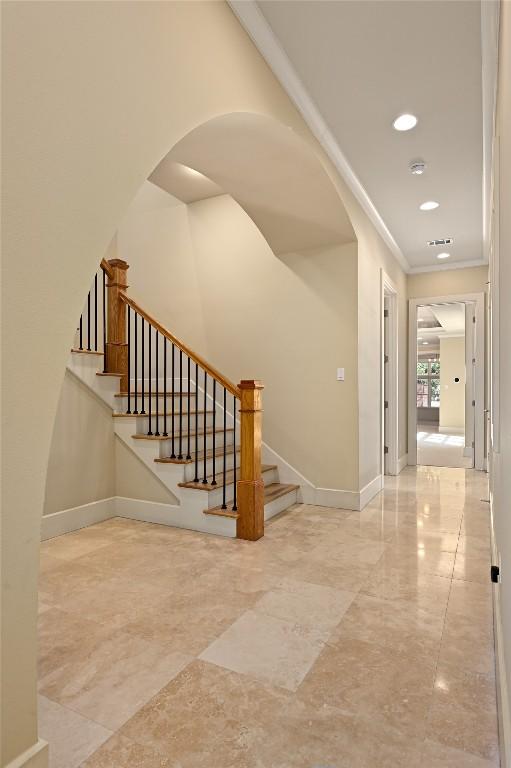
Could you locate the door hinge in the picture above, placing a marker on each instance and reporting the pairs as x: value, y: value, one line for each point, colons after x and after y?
x: 473, y: 402
x: 386, y: 313
x: 386, y: 449
x: 386, y: 404
x: 385, y: 358
x: 473, y: 359
x: 495, y: 574
x: 474, y: 319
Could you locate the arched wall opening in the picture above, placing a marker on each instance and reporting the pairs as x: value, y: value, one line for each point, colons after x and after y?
x: 254, y: 266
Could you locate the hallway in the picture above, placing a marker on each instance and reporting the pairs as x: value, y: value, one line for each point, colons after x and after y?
x: 346, y: 639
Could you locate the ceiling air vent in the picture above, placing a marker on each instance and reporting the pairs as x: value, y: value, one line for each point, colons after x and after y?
x: 442, y: 241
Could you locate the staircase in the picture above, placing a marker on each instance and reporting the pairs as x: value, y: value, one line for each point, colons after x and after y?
x: 199, y: 433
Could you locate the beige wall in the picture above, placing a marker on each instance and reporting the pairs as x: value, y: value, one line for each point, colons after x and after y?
x: 289, y: 320
x: 501, y: 450
x: 448, y: 281
x: 81, y: 464
x: 452, y: 393
x: 94, y: 95
x: 133, y: 480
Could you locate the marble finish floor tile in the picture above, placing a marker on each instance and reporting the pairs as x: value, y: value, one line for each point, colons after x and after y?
x: 346, y: 639
x: 269, y: 649
x: 71, y: 737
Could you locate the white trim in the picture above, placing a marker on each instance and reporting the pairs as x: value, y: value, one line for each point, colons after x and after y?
x: 447, y: 266
x: 402, y: 463
x: 174, y: 515
x: 34, y: 757
x: 336, y: 498
x: 490, y: 21
x: 270, y: 48
x: 369, y: 491
x: 58, y: 523
x: 478, y: 300
x: 504, y: 714
x: 388, y: 290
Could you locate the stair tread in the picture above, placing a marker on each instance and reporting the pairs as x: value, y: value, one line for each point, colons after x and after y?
x: 200, y: 456
x: 86, y: 351
x: 159, y: 413
x: 271, y: 492
x: 118, y: 375
x: 229, y: 479
x: 183, y: 434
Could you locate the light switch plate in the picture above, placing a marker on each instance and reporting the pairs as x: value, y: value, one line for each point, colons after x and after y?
x: 340, y: 374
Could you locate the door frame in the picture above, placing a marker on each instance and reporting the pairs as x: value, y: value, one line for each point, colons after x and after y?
x: 478, y: 300
x: 389, y: 291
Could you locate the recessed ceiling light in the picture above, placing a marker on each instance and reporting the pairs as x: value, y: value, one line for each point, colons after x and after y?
x: 443, y: 255
x: 425, y: 343
x: 405, y: 122
x: 418, y: 167
x: 429, y: 205
x: 419, y: 338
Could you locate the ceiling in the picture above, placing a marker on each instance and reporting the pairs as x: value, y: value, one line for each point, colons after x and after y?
x: 269, y: 170
x: 360, y: 65
x: 436, y: 321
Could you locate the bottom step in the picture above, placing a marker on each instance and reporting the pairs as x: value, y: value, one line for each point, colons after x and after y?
x: 272, y: 492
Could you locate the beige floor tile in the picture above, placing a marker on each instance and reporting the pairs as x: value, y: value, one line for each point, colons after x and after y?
x: 463, y: 713
x: 268, y: 649
x: 470, y: 599
x: 72, y: 738
x: 472, y: 567
x: 310, y: 605
x: 421, y: 560
x: 428, y: 591
x: 435, y: 755
x: 474, y: 545
x: 112, y: 678
x: 398, y: 625
x: 366, y: 679
x: 120, y: 752
x: 468, y: 645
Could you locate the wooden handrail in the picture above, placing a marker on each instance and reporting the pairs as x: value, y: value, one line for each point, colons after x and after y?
x: 105, y: 266
x: 230, y: 387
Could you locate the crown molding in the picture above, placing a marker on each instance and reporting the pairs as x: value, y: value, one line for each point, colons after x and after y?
x: 251, y: 18
x: 445, y: 267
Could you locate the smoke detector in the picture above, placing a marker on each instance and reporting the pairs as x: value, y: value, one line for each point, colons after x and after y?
x: 442, y: 241
x: 417, y: 167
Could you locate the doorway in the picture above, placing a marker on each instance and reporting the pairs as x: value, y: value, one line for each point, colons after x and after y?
x: 446, y: 381
x: 389, y: 377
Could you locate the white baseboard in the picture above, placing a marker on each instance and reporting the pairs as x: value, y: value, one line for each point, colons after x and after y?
x: 369, y: 491
x: 335, y: 497
x: 174, y: 515
x: 58, y: 523
x: 502, y: 688
x: 34, y: 757
x: 402, y: 462
x: 452, y: 430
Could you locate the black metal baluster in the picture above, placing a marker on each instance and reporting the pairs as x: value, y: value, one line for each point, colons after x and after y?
x: 150, y: 382
x: 224, y: 505
x: 136, y: 364
x: 88, y: 322
x: 234, y: 507
x: 165, y: 433
x: 204, y: 470
x: 180, y: 454
x: 143, y: 367
x: 129, y: 361
x: 104, y: 321
x: 157, y: 433
x: 196, y: 478
x: 96, y: 312
x: 173, y: 456
x: 213, y: 482
x: 81, y: 333
x: 188, y: 454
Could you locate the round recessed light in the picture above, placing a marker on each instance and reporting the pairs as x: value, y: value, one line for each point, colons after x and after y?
x: 425, y: 343
x: 405, y: 122
x: 429, y: 205
x: 417, y: 167
x: 443, y: 255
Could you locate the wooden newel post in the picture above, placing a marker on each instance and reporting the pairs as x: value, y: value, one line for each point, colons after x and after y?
x: 250, y: 487
x: 117, y: 342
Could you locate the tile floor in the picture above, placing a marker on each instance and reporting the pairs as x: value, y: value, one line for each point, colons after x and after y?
x: 340, y: 640
x: 441, y: 449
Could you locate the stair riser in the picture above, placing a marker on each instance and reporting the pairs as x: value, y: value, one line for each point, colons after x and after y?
x: 279, y: 505
x: 219, y: 464
x: 180, y: 424
x: 165, y: 446
x: 121, y: 403
x: 214, y: 498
